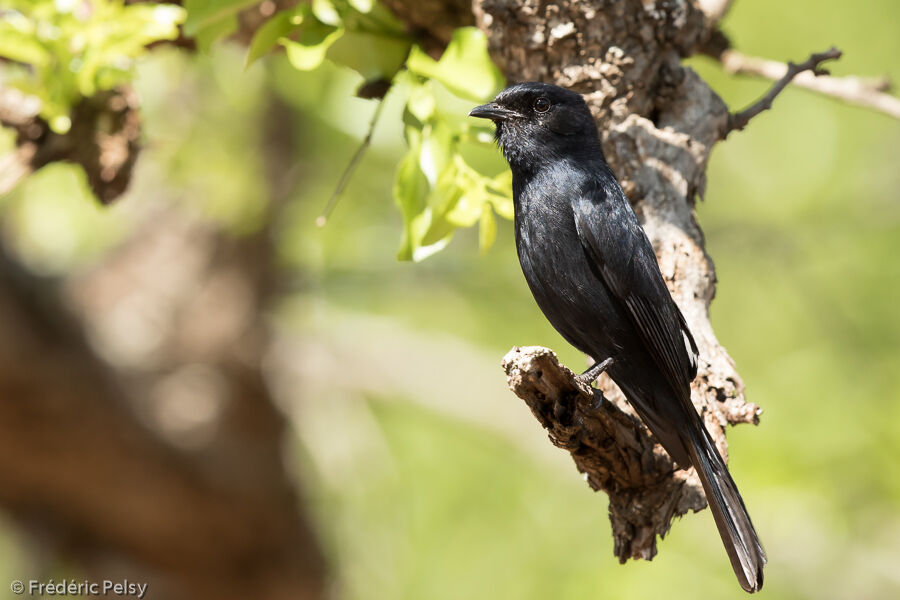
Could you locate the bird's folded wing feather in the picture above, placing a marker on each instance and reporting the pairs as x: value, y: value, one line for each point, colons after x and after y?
x: 617, y: 245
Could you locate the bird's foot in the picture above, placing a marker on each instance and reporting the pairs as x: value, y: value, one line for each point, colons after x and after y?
x: 594, y: 371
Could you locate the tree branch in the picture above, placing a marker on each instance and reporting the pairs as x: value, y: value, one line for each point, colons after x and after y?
x: 869, y: 93
x: 610, y: 446
x: 103, y: 139
x: 659, y: 122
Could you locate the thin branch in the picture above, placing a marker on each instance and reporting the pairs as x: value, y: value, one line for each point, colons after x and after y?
x: 737, y: 121
x: 861, y: 91
x: 351, y: 167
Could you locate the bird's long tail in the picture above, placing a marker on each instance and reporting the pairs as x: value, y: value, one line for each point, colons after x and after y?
x: 740, y: 538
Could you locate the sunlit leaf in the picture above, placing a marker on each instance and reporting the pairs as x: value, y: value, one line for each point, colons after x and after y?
x: 205, y: 13
x: 421, y: 102
x: 467, y: 209
x: 436, y: 151
x: 487, y: 229
x: 22, y: 46
x: 410, y: 188
x: 72, y: 53
x: 372, y: 55
x: 455, y: 195
x: 377, y: 19
x: 267, y: 36
x: 501, y: 199
x: 465, y: 68
x: 326, y: 12
x: 362, y: 6
x: 471, y: 196
x: 444, y: 196
x: 212, y: 33
x: 424, y: 251
x: 308, y: 52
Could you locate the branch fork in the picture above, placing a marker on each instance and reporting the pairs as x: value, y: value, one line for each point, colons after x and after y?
x: 737, y: 121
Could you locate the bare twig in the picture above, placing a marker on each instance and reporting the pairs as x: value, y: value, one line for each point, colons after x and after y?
x: 737, y: 121
x: 867, y: 92
x: 351, y: 167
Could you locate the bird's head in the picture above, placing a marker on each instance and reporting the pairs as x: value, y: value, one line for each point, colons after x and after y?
x: 540, y: 122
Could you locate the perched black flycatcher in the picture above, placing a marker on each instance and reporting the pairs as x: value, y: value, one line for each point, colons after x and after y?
x: 594, y: 275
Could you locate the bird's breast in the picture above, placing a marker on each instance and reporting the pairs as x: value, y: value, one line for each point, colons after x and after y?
x: 565, y: 286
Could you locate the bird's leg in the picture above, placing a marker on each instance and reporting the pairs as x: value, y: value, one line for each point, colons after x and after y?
x: 594, y: 371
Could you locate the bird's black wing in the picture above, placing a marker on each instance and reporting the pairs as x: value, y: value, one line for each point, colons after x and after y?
x: 617, y: 245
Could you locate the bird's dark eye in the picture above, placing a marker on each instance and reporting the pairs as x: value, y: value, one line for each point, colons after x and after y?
x: 541, y: 105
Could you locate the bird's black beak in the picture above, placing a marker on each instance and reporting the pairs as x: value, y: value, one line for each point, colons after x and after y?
x: 494, y: 112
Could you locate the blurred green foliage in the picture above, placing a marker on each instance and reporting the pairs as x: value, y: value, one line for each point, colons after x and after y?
x: 420, y: 500
x: 67, y: 50
x: 71, y: 49
x: 435, y: 188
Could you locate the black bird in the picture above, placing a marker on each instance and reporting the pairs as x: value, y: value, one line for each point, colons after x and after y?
x: 593, y: 273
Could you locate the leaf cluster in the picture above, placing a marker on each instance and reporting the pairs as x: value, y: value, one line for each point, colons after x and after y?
x: 436, y: 188
x: 65, y: 50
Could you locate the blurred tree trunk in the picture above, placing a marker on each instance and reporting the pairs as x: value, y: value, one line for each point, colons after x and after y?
x: 155, y: 452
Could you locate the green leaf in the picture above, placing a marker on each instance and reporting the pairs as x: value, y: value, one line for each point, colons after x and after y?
x: 202, y: 14
x: 502, y: 199
x: 363, y: 6
x: 453, y: 193
x: 442, y: 200
x: 410, y: 188
x: 267, y: 36
x: 72, y: 53
x: 209, y: 35
x: 372, y: 55
x: 436, y: 152
x: 424, y: 229
x: 465, y: 68
x: 421, y: 103
x: 487, y: 229
x: 308, y: 52
x: 140, y: 24
x: 22, y: 46
x: 377, y: 19
x: 326, y: 12
x: 470, y: 197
